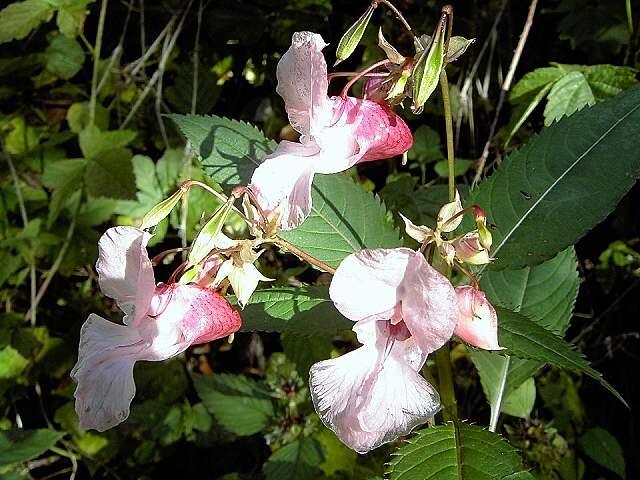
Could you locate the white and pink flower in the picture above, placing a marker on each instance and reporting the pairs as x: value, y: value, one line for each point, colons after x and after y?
x: 160, y: 322
x: 336, y: 133
x: 404, y: 309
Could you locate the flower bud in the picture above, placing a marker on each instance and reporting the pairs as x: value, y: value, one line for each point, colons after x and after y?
x: 206, y: 239
x: 426, y: 73
x: 448, y: 211
x: 352, y: 37
x: 470, y: 250
x: 477, y: 320
x: 485, y: 234
x: 160, y: 211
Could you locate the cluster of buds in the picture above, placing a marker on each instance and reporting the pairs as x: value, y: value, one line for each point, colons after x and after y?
x: 470, y: 248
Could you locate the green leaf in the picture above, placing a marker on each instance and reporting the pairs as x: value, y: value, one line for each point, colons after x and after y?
x: 460, y: 167
x: 298, y: 460
x: 344, y: 219
x: 64, y: 57
x: 18, y: 445
x: 230, y: 150
x: 529, y: 85
x: 604, y: 449
x: 568, y: 95
x: 239, y: 404
x: 12, y: 363
x: 454, y: 452
x: 71, y: 16
x: 525, y: 339
x: 304, y: 351
x: 94, y: 141
x: 110, y: 174
x: 296, y: 310
x: 546, y: 294
x: 609, y: 80
x: 18, y: 19
x: 520, y: 402
x: 337, y: 456
x: 65, y: 178
x: 584, y: 163
x: 426, y: 145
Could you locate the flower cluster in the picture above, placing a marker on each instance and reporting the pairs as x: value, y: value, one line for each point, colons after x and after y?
x: 402, y: 307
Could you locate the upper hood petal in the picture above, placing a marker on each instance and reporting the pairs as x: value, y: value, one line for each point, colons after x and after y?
x: 303, y: 84
x: 478, y: 322
x: 429, y: 305
x: 364, y: 285
x: 124, y: 270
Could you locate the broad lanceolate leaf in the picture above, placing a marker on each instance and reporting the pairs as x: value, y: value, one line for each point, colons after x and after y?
x: 302, y: 311
x: 19, y: 18
x: 454, y: 452
x: 548, y: 194
x: 544, y: 293
x: 344, y: 219
x: 18, y: 445
x: 230, y: 150
x: 298, y: 460
x: 238, y: 403
x: 569, y: 94
x: 604, y: 449
x: 525, y: 339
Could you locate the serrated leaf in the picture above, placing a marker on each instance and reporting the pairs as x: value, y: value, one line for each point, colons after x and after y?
x: 18, y: 445
x: 344, y: 219
x: 526, y: 339
x: 65, y: 57
x: 534, y: 81
x: 584, y: 163
x: 609, y: 80
x: 110, y: 174
x: 296, y: 310
x: 230, y: 150
x: 19, y: 18
x: 238, y: 403
x: 454, y: 452
x: 568, y: 95
x: 298, y: 460
x: 604, y: 449
x: 544, y: 293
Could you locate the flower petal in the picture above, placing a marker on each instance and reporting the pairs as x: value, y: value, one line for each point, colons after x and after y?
x: 372, y: 395
x: 282, y: 183
x: 125, y: 272
x: 429, y: 306
x: 104, y: 372
x: 303, y: 84
x: 478, y: 322
x: 364, y: 285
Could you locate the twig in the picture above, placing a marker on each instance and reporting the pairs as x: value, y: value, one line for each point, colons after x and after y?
x: 444, y: 86
x: 281, y: 242
x: 158, y: 102
x: 505, y: 88
x: 57, y: 262
x: 196, y: 61
x: 398, y: 15
x: 96, y: 61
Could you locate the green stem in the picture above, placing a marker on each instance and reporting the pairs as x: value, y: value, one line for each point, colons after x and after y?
x: 96, y: 61
x: 448, y: 121
x: 445, y: 384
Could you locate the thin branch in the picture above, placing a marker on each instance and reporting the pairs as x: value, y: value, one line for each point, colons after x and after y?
x: 505, y: 88
x: 96, y: 62
x: 282, y: 243
x: 196, y: 61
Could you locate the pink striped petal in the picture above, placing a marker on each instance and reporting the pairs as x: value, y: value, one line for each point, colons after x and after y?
x: 477, y: 322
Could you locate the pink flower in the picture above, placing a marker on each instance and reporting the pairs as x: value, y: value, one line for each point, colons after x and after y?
x: 404, y: 309
x: 160, y: 322
x: 478, y: 322
x: 336, y: 133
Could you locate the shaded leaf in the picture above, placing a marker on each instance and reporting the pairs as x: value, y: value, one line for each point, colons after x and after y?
x: 299, y: 460
x: 604, y: 449
x: 18, y: 445
x: 64, y: 57
x: 344, y: 219
x: 19, y: 18
x: 110, y: 174
x: 568, y: 95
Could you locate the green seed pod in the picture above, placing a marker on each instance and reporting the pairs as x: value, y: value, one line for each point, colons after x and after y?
x: 205, y: 241
x: 352, y: 37
x: 160, y: 211
x: 426, y: 73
